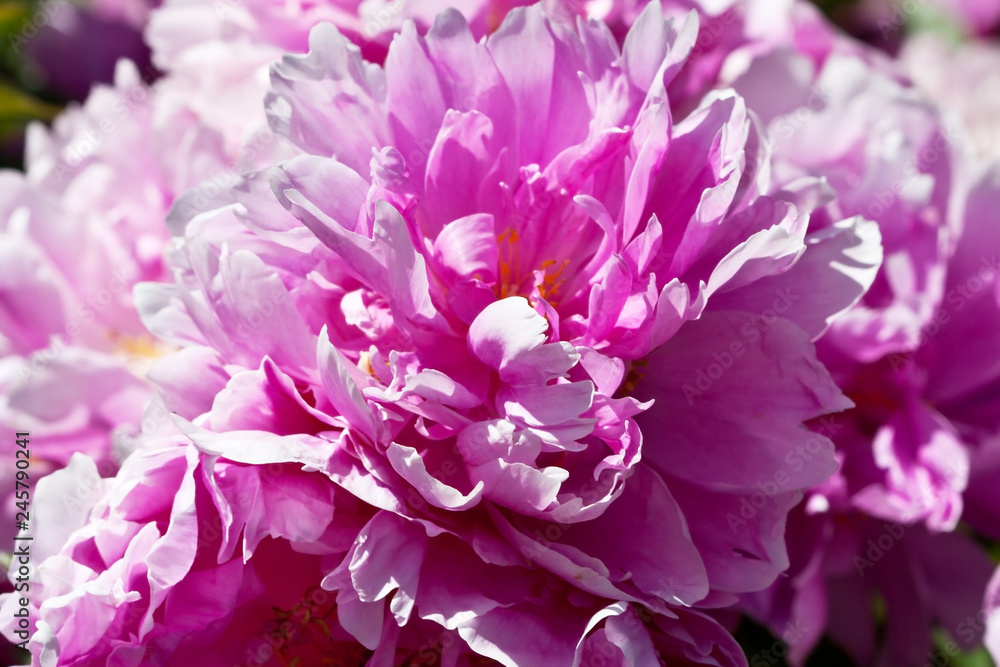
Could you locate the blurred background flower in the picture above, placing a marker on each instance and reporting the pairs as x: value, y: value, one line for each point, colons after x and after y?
x: 54, y: 51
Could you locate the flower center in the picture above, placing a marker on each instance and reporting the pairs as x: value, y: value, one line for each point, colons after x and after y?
x: 512, y: 279
x: 552, y: 280
x: 632, y: 377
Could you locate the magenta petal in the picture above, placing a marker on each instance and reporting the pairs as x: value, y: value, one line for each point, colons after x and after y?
x: 839, y: 264
x: 264, y: 400
x: 387, y: 557
x: 414, y: 119
x: 462, y: 168
x: 772, y: 367
x: 342, y: 388
x: 504, y: 331
x: 274, y: 502
x: 257, y: 311
x: 543, y: 82
x: 172, y: 376
x: 386, y: 262
x: 547, y: 638
x: 925, y: 467
x: 626, y: 632
x: 741, y: 536
x: 467, y: 248
x: 330, y: 101
x: 411, y: 467
x: 697, y: 639
x: 643, y: 537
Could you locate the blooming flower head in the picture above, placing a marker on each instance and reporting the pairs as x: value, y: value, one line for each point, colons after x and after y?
x: 472, y: 301
x: 493, y: 341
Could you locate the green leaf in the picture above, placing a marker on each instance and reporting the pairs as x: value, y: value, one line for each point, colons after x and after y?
x: 18, y: 108
x: 932, y: 20
x: 11, y: 15
x: 946, y: 649
x: 979, y: 658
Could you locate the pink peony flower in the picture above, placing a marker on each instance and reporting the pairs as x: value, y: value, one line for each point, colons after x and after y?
x: 924, y: 391
x: 570, y: 292
x: 151, y: 542
x: 81, y: 227
x: 511, y: 363
x: 467, y: 303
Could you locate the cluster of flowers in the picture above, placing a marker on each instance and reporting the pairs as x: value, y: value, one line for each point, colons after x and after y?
x: 373, y: 334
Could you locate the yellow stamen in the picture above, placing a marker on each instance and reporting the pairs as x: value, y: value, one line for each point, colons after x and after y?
x: 139, y: 352
x: 511, y: 278
x: 551, y: 282
x: 365, y: 364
